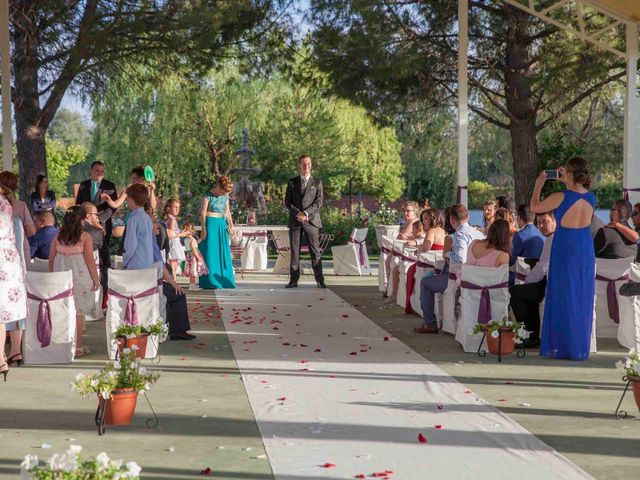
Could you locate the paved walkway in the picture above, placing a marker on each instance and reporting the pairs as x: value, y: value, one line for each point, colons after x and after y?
x: 206, y: 419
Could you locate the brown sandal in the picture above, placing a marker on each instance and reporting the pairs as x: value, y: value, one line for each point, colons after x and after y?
x: 15, y: 362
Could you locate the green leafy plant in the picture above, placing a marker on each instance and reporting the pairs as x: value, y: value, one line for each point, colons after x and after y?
x: 493, y: 328
x: 127, y: 372
x: 159, y: 328
x: 70, y: 466
x: 631, y: 364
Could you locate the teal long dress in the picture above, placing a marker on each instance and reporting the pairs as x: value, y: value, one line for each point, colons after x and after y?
x: 215, y: 248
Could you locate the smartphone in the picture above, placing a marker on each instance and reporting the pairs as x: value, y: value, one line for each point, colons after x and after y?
x: 552, y: 174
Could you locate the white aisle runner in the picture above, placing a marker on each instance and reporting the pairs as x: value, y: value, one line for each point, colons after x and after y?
x: 335, y: 396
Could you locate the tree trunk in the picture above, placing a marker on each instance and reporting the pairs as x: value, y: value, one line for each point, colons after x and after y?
x: 29, y: 133
x: 524, y: 149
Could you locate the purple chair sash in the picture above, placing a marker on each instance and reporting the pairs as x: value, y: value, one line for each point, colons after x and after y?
x: 362, y: 251
x: 43, y: 325
x: 131, y: 312
x: 612, y: 299
x: 396, y: 253
x: 520, y: 276
x: 407, y: 258
x: 625, y: 192
x: 453, y: 276
x: 437, y: 271
x: 384, y: 249
x: 484, y: 309
x: 421, y: 264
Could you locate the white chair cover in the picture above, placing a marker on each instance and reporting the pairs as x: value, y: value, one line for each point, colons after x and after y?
x: 62, y: 347
x: 283, y: 262
x: 470, y: 301
x: 629, y: 329
x: 449, y: 300
x: 163, y: 300
x: 617, y: 271
x: 426, y: 264
x: 38, y: 265
x: 116, y: 262
x: 130, y: 283
x: 254, y: 256
x: 96, y: 312
x: 439, y: 302
x: 390, y: 232
x: 352, y: 259
x: 397, y: 247
x: 522, y: 270
x: 405, y: 262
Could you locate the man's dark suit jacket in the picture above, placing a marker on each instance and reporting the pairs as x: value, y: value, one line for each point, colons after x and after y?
x: 84, y: 195
x: 308, y: 201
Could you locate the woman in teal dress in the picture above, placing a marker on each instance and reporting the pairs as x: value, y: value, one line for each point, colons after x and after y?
x: 215, y: 218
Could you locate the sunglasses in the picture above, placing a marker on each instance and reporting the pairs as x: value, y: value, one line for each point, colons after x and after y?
x: 407, y: 210
x: 635, y: 213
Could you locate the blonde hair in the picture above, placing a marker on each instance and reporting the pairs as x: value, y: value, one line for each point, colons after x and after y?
x: 170, y: 203
x: 189, y: 227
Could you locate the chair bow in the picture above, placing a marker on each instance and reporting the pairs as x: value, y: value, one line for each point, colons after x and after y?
x: 384, y: 249
x: 625, y: 192
x: 612, y: 299
x: 131, y: 312
x: 521, y: 276
x: 422, y: 264
x: 362, y: 251
x: 484, y: 309
x: 43, y: 325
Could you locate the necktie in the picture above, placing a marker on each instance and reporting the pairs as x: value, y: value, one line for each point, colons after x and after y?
x: 304, y: 183
x: 94, y: 190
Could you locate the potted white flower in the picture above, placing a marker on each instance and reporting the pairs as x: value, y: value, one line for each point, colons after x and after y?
x: 631, y: 369
x: 512, y: 333
x: 118, y: 384
x: 129, y: 335
x: 70, y: 466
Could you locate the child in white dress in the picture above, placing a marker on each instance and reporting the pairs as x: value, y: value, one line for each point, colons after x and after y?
x: 176, y: 250
x: 194, y: 264
x: 72, y: 249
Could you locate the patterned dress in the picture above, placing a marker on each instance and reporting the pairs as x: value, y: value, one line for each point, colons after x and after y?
x: 12, y: 282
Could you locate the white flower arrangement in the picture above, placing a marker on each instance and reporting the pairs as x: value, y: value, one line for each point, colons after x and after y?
x: 631, y: 365
x: 493, y: 328
x: 69, y: 466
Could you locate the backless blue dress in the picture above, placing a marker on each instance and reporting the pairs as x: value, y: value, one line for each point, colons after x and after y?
x: 568, y: 310
x: 216, y: 249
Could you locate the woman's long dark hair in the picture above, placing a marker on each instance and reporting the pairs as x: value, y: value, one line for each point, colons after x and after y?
x: 579, y: 168
x: 71, y: 230
x: 498, y: 235
x: 39, y: 180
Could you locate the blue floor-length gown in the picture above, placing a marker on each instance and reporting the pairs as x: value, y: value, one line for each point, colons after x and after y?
x: 215, y: 248
x: 568, y: 310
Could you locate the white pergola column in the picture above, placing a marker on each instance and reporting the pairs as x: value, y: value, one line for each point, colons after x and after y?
x: 5, y: 84
x: 631, y: 165
x: 463, y: 99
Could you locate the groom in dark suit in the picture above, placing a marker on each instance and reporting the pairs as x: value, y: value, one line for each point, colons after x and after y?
x: 304, y: 201
x: 90, y: 191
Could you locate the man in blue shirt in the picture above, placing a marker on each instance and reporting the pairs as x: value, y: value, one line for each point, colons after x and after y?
x: 462, y: 238
x: 40, y: 243
x: 138, y: 243
x: 528, y: 241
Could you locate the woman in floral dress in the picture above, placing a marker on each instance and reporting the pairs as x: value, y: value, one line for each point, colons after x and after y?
x: 12, y: 281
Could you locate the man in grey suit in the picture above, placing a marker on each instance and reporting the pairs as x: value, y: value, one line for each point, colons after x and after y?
x: 304, y: 201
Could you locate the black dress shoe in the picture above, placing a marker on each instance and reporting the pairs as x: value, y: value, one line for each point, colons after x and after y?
x: 291, y: 285
x: 182, y: 336
x: 321, y: 285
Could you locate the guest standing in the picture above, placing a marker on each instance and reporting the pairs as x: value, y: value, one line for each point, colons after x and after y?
x: 215, y: 218
x: 568, y: 313
x: 43, y: 199
x: 303, y: 199
x: 12, y: 281
x: 176, y: 249
x: 20, y: 209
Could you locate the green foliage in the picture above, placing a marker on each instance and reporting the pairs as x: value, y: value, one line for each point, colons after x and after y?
x: 125, y: 330
x: 69, y: 128
x: 61, y: 157
x: 480, y: 192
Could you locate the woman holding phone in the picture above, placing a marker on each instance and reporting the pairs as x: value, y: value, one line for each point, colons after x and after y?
x: 568, y: 312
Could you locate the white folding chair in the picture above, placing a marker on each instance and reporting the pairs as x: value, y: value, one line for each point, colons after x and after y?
x: 449, y: 300
x: 522, y: 269
x: 425, y: 265
x: 38, y: 265
x: 407, y: 260
x: 133, y: 298
x: 397, y: 247
x: 480, y: 285
x: 388, y: 232
x: 96, y: 312
x: 352, y: 259
x: 283, y: 246
x: 629, y: 329
x: 116, y: 262
x: 50, y: 330
x: 254, y: 256
x: 610, y: 307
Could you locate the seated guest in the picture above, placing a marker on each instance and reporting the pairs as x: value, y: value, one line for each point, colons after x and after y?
x: 635, y: 219
x: 494, y: 250
x: 462, y: 238
x: 409, y: 215
x: 616, y: 239
x: 528, y: 241
x: 505, y: 214
x: 526, y: 298
x: 91, y: 224
x: 40, y: 243
x: 504, y: 201
x: 418, y: 235
x: 432, y: 223
x: 488, y: 212
x: 43, y: 199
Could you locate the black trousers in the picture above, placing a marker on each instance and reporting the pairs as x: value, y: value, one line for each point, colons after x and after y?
x: 177, y: 312
x: 525, y: 304
x: 313, y: 239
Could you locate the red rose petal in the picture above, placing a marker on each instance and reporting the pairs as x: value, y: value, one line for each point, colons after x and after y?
x: 304, y: 361
x: 353, y: 353
x: 317, y: 350
x: 344, y: 315
x: 362, y: 475
x: 468, y: 391
x: 206, y: 471
x: 440, y: 406
x: 282, y: 399
x: 328, y: 465
x: 422, y: 438
x: 502, y: 399
x: 438, y: 427
x: 303, y: 345
x: 386, y: 339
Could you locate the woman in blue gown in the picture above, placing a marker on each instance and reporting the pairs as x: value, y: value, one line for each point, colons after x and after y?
x: 215, y: 218
x: 568, y: 311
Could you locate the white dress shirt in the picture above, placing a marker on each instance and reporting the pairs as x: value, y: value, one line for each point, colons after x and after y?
x: 539, y: 271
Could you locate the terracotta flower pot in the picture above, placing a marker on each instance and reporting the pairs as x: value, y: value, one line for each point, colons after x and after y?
x: 120, y: 407
x: 635, y: 385
x: 507, y: 340
x: 140, y: 341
